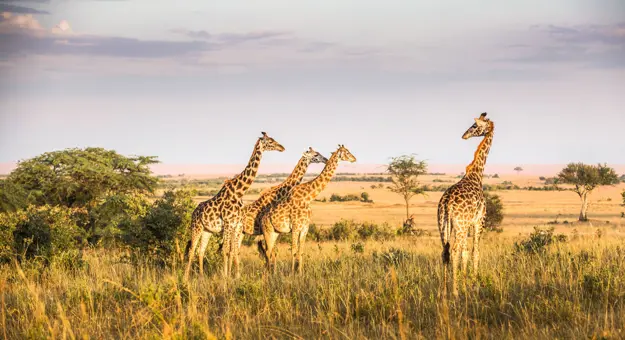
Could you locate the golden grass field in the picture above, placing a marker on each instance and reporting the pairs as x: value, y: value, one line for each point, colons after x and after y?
x: 523, y: 209
x: 391, y: 290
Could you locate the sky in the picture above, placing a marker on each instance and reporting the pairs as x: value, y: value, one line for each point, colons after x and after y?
x: 196, y: 82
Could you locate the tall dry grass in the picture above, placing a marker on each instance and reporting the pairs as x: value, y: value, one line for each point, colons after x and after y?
x: 389, y: 291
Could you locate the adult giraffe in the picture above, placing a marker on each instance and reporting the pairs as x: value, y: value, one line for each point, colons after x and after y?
x: 293, y: 214
x: 222, y: 212
x: 462, y: 207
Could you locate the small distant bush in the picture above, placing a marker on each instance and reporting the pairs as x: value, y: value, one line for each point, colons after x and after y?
x: 542, y: 178
x: 538, y: 241
x: 364, y: 197
x: 623, y: 196
x: 496, y: 176
x: 358, y: 247
x: 349, y: 230
x: 392, y: 257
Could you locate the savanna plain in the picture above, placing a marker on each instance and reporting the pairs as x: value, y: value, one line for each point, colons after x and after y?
x: 542, y: 275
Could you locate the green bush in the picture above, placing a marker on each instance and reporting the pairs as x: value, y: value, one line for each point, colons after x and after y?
x: 45, y: 233
x: 364, y: 197
x: 349, y: 230
x: 539, y: 240
x: 494, y: 212
x: 358, y: 247
x: 165, y: 227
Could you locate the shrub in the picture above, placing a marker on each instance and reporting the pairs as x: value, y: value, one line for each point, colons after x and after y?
x: 542, y: 178
x: 165, y: 224
x: 342, y: 230
x: 623, y: 195
x: 496, y: 176
x: 494, y: 212
x: 392, y: 257
x: 358, y: 247
x: 349, y: 230
x: 538, y: 241
x: 45, y: 232
x: 364, y: 197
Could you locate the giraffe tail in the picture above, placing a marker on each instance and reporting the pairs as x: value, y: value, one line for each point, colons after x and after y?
x: 444, y: 227
x: 261, y: 249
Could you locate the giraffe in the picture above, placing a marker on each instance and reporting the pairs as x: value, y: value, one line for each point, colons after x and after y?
x: 292, y: 215
x: 250, y: 212
x: 462, y: 208
x: 222, y: 212
x: 278, y: 192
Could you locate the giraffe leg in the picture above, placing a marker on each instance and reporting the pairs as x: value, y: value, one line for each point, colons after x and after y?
x: 225, y: 250
x: 195, y: 238
x: 476, y: 245
x: 465, y: 256
x: 294, y: 246
x: 300, y: 249
x: 205, y: 237
x: 455, y: 262
x: 270, y: 243
x: 236, y: 251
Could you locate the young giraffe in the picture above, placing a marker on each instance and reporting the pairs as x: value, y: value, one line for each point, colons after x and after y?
x: 222, y: 212
x: 293, y: 214
x: 250, y: 212
x: 462, y: 207
x: 278, y: 193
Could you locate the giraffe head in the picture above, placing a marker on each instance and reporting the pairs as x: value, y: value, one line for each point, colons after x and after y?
x: 314, y: 156
x: 344, y: 154
x: 269, y: 144
x: 480, y: 128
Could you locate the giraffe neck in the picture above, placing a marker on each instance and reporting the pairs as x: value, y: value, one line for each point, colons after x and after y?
x: 316, y: 186
x: 476, y: 168
x: 298, y: 173
x: 244, y: 180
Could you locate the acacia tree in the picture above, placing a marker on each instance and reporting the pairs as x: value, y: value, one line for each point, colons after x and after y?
x: 405, y: 171
x: 585, y: 179
x: 518, y: 169
x: 82, y: 178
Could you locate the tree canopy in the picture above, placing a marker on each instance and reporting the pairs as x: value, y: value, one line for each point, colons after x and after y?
x: 80, y: 177
x: 585, y: 178
x: 405, y: 171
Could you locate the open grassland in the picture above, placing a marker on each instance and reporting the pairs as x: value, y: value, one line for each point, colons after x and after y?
x: 390, y: 290
x: 350, y: 289
x: 523, y: 209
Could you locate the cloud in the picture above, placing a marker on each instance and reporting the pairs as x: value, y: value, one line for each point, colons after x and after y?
x: 4, y: 7
x: 22, y: 35
x: 586, y: 34
x: 230, y: 38
x: 590, y: 46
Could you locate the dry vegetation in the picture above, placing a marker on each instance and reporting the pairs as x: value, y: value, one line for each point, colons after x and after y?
x: 351, y: 289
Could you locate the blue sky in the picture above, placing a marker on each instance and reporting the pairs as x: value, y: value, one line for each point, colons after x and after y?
x: 197, y: 83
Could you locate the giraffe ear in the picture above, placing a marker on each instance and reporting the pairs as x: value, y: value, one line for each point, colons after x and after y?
x: 483, y: 116
x: 264, y: 134
x: 310, y: 148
